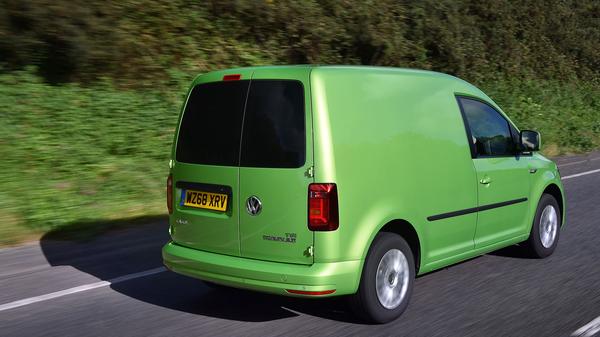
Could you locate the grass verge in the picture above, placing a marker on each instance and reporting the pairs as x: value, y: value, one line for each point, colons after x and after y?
x: 81, y: 158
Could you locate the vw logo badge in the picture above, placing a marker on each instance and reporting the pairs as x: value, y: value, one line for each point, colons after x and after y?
x: 253, y: 205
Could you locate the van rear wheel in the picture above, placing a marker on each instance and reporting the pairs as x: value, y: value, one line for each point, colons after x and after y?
x: 386, y: 281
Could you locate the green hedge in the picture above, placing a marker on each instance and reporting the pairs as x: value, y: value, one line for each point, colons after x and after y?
x: 138, y: 41
x: 73, y: 154
x: 91, y: 89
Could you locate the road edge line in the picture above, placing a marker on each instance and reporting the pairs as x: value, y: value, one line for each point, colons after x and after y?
x: 580, y: 174
x: 78, y: 289
x: 589, y: 329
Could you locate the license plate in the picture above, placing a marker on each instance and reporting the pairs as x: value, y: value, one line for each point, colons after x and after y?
x: 207, y: 200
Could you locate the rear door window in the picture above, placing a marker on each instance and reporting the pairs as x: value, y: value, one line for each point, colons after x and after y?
x: 212, y: 124
x: 274, y: 125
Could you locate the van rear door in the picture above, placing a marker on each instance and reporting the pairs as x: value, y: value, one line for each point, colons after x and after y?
x: 206, y: 165
x: 276, y: 155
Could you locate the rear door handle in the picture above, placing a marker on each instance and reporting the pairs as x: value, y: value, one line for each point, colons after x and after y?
x: 485, y: 180
x: 532, y: 170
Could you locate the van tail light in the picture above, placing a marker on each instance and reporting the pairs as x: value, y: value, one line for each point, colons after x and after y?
x: 322, y: 207
x: 170, y: 194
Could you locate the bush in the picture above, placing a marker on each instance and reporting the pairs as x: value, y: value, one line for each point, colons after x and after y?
x: 72, y: 153
x: 136, y: 42
x: 91, y: 89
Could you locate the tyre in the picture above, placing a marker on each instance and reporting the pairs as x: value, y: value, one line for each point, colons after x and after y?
x: 387, y: 280
x: 545, y: 230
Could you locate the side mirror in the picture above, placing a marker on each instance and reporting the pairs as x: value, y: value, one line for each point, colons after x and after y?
x: 530, y: 140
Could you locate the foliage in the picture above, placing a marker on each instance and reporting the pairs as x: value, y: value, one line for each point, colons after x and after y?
x: 73, y: 154
x: 91, y: 89
x: 566, y: 114
x: 138, y: 41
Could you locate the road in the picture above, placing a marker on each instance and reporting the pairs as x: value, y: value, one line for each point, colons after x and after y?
x: 115, y: 286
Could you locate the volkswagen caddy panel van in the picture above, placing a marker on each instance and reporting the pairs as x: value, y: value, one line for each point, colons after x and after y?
x: 318, y: 181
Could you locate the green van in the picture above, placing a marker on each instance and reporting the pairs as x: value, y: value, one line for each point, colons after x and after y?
x: 318, y: 181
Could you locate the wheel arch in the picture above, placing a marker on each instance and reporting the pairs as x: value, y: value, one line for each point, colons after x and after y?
x: 555, y: 191
x: 407, y: 231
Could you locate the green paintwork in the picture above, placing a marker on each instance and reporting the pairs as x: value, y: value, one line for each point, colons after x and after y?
x: 273, y: 277
x: 278, y: 189
x: 508, y: 180
x: 394, y: 142
x: 205, y: 229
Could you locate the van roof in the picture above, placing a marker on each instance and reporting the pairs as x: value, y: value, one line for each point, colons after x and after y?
x: 364, y: 68
x: 355, y: 69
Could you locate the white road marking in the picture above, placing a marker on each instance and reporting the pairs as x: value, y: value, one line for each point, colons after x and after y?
x: 580, y: 174
x: 586, y: 331
x: 578, y: 162
x: 589, y: 329
x: 79, y: 289
x: 572, y: 163
x: 24, y: 270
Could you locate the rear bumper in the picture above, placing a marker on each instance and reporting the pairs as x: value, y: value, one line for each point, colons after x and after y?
x: 265, y: 276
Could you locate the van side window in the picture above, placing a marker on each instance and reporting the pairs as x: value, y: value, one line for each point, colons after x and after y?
x: 490, y: 131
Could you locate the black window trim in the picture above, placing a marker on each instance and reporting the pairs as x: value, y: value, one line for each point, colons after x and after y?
x: 475, y: 209
x: 239, y: 163
x: 511, y: 126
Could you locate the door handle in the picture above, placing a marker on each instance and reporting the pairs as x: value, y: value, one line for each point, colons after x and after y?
x: 485, y: 180
x: 532, y: 170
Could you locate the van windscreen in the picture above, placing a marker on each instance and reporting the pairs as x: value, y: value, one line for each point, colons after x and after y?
x: 273, y: 124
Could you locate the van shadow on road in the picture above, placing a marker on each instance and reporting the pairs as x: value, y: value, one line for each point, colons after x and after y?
x: 518, y: 251
x: 134, y: 245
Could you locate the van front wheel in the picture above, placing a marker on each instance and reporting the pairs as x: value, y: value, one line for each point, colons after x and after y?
x: 387, y: 280
x: 545, y: 229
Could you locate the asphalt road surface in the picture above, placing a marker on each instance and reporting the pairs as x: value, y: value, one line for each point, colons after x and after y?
x: 115, y: 285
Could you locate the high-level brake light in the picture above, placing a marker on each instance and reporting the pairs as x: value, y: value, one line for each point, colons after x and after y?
x: 232, y: 77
